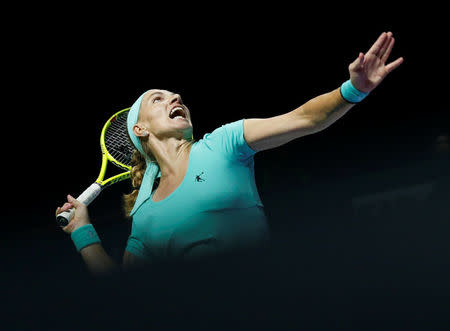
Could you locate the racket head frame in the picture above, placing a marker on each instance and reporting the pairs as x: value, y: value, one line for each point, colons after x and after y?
x: 94, y: 190
x: 106, y: 156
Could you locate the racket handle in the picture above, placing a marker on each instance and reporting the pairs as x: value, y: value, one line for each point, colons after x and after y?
x: 86, y: 197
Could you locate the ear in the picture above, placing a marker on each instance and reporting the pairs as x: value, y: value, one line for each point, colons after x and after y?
x: 140, y: 131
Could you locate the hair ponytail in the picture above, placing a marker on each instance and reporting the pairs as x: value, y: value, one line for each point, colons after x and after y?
x: 137, y: 172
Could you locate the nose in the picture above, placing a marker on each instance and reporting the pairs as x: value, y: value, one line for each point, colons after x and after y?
x: 176, y: 98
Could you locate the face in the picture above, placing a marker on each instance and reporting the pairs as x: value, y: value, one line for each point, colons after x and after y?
x: 163, y: 114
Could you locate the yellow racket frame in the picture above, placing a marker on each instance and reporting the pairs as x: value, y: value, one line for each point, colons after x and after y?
x: 108, y: 157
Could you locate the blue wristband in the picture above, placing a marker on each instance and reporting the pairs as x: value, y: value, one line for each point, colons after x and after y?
x: 84, y: 236
x: 351, y: 94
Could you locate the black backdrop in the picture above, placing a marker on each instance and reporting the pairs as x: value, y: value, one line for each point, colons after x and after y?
x: 358, y: 212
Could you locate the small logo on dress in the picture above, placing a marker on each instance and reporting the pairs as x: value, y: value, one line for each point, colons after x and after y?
x: 198, y: 178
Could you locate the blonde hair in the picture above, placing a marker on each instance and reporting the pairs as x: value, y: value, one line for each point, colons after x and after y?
x: 138, y: 167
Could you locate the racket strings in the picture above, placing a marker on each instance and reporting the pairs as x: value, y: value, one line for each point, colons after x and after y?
x: 116, y: 140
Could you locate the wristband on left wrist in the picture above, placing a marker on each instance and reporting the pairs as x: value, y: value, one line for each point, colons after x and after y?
x: 351, y: 94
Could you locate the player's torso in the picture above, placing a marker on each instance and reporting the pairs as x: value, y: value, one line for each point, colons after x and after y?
x: 212, y: 203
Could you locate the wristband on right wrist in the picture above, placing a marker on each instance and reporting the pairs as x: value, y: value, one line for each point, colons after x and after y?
x: 350, y: 93
x: 84, y: 236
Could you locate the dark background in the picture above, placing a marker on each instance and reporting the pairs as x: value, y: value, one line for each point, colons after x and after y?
x: 358, y: 212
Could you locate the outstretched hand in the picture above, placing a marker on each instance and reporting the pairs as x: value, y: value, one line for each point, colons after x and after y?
x: 369, y: 69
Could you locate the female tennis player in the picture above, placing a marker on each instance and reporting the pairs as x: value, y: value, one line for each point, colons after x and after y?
x: 196, y: 199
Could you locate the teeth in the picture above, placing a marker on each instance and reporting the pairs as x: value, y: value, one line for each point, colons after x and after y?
x: 178, y: 117
x: 176, y: 108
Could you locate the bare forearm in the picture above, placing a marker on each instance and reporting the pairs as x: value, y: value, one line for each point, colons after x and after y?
x: 97, y: 261
x: 325, y: 109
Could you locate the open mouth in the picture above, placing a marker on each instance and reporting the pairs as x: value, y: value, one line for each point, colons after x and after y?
x: 177, y: 113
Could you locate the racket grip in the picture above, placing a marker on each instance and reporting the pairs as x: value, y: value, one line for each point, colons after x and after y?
x: 86, y: 197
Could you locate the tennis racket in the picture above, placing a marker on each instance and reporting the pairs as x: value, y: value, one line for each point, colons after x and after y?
x: 117, y: 149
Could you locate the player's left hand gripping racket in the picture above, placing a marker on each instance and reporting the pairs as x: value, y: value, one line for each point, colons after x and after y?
x: 116, y: 148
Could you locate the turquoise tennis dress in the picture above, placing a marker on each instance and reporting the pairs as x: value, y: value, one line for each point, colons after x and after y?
x: 216, y: 209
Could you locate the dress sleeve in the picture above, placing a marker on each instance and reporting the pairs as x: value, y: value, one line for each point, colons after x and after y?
x: 229, y: 140
x: 135, y: 245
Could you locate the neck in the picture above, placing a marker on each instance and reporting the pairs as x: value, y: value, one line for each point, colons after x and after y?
x: 172, y: 156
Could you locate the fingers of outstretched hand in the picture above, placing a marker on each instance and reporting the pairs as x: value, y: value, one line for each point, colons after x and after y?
x: 388, y: 50
x: 377, y: 45
x: 393, y: 65
x: 386, y: 42
x: 380, y: 46
x: 357, y: 64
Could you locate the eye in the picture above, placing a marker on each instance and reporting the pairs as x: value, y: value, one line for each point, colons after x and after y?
x: 156, y: 99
